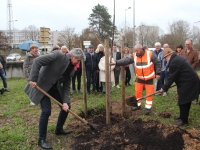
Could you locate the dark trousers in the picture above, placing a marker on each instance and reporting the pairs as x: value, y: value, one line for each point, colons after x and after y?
x: 3, y: 77
x: 163, y: 78
x: 78, y: 76
x: 184, y: 111
x: 99, y: 86
x: 91, y: 74
x: 128, y: 76
x: 116, y: 74
x: 46, y: 112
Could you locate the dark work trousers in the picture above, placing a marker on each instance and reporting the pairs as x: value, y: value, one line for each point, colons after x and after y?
x: 128, y: 76
x: 91, y: 74
x: 116, y: 74
x: 3, y: 77
x: 99, y: 86
x: 78, y: 76
x: 184, y: 111
x: 46, y: 112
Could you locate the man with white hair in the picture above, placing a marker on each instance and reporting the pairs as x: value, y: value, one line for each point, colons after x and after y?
x: 49, y: 72
x: 190, y: 54
x: 157, y: 51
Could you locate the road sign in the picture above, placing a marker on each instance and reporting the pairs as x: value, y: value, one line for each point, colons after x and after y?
x: 86, y: 43
x: 44, y: 35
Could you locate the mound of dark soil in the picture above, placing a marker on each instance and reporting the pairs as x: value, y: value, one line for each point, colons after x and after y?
x: 128, y: 134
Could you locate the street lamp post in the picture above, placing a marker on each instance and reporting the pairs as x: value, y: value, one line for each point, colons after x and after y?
x: 125, y: 23
x: 142, y: 35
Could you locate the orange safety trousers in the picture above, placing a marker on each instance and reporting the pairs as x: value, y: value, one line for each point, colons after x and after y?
x: 138, y: 93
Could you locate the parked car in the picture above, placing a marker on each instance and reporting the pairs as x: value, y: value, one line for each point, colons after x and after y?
x: 13, y: 57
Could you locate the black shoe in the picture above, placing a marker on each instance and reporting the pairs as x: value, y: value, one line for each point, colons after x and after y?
x: 103, y: 92
x: 63, y: 132
x: 135, y: 108
x: 44, y: 144
x: 6, y: 90
x: 129, y: 84
x: 181, y: 123
x: 2, y: 91
x: 147, y: 111
x: 177, y: 118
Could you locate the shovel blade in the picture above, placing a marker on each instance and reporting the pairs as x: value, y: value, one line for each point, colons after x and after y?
x: 131, y: 101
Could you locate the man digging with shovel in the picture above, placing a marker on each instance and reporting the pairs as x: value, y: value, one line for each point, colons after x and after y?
x: 147, y: 67
x: 48, y: 72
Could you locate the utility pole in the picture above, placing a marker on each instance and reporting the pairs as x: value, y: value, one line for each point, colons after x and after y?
x: 133, y: 23
x: 10, y: 23
x: 125, y: 25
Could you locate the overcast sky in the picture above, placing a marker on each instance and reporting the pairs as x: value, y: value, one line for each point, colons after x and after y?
x: 57, y: 14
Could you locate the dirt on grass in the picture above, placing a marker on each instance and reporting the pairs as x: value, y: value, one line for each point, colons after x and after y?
x: 132, y: 134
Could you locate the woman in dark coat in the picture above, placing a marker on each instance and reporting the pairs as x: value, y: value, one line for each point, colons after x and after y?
x: 187, y: 81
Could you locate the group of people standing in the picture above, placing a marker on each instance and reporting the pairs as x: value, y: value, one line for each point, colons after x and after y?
x: 95, y: 68
x: 167, y: 66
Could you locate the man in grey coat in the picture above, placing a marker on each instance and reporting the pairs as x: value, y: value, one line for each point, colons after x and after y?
x: 48, y: 72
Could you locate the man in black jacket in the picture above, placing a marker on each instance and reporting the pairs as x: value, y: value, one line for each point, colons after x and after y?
x: 3, y: 74
x: 187, y: 81
x: 91, y: 65
x: 116, y: 56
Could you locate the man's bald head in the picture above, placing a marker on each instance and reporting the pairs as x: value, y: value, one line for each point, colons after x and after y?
x: 166, y: 45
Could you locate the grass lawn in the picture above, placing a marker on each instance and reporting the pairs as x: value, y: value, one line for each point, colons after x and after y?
x: 19, y: 120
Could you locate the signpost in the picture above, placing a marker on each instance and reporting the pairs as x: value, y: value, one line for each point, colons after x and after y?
x: 44, y: 37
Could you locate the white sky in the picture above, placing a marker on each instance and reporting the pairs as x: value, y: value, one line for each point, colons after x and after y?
x: 57, y: 14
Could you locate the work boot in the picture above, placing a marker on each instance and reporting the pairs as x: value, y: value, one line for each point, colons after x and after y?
x: 135, y: 108
x: 147, y: 111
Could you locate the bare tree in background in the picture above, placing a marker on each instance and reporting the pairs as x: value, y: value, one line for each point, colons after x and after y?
x: 91, y: 34
x: 148, y: 35
x: 67, y: 37
x: 31, y: 33
x: 3, y: 41
x: 195, y: 36
x: 178, y: 32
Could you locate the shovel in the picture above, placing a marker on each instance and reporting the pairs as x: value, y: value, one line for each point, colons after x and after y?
x: 92, y: 126
x: 132, y: 101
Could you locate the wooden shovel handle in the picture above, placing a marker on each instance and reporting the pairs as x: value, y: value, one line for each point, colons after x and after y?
x: 152, y: 94
x: 71, y: 112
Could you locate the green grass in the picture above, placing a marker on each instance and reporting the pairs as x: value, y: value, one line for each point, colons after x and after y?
x: 19, y: 120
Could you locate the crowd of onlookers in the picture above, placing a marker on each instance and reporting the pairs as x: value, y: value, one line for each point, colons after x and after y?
x: 95, y: 66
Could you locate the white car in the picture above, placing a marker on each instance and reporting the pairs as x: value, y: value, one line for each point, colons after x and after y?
x: 13, y: 57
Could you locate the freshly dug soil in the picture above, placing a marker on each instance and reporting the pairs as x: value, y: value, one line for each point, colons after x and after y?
x: 130, y: 134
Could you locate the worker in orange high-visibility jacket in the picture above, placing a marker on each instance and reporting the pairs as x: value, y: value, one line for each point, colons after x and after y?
x: 147, y: 67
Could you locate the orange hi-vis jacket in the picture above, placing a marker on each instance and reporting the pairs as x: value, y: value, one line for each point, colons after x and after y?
x: 144, y: 66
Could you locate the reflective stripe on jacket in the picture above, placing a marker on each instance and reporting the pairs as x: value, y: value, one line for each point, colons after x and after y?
x: 144, y: 66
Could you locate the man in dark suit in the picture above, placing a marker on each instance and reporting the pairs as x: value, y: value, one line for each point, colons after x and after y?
x: 116, y: 56
x: 48, y: 72
x: 187, y: 81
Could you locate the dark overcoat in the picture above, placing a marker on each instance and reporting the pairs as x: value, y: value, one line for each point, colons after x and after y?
x: 48, y: 70
x: 185, y: 77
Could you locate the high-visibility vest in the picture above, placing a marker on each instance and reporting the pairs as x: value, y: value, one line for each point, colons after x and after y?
x: 144, y: 67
